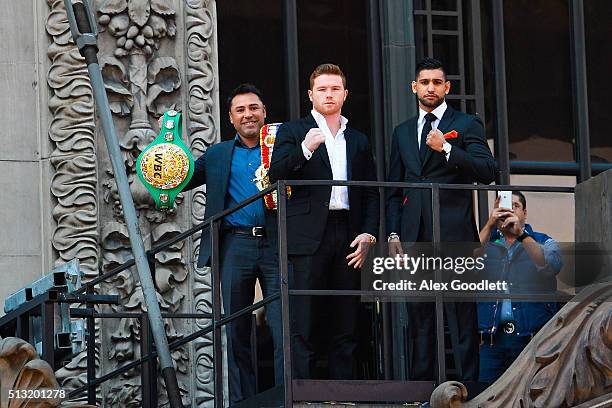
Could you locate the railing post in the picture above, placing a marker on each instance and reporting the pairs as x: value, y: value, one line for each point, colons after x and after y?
x: 48, y: 332
x: 91, y: 351
x: 216, y: 301
x: 440, y: 349
x: 145, y: 379
x: 284, y: 290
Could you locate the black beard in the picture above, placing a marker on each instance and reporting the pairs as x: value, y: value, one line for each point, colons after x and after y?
x: 432, y: 105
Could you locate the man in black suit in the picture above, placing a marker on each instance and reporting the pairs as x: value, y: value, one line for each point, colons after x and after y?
x: 440, y: 145
x: 329, y: 228
x: 246, y: 253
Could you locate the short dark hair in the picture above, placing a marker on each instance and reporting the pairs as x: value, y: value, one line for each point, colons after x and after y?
x: 521, y: 198
x: 327, y: 69
x: 241, y: 90
x: 427, y: 64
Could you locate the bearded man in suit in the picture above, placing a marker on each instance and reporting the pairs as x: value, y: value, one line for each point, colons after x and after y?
x: 439, y: 145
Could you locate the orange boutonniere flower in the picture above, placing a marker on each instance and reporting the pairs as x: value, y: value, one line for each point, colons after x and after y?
x: 451, y: 135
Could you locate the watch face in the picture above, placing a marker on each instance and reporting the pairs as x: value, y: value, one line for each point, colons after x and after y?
x: 164, y: 166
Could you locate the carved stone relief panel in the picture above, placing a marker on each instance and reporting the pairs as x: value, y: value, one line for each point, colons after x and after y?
x: 155, y: 55
x: 74, y: 159
x: 202, y: 122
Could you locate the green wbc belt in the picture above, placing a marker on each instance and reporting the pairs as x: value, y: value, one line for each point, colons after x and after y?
x: 166, y: 165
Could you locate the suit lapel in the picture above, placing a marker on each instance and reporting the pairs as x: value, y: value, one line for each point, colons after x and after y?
x: 225, y: 164
x: 321, y: 151
x: 447, y: 120
x: 412, y: 142
x: 350, y: 152
x: 445, y: 123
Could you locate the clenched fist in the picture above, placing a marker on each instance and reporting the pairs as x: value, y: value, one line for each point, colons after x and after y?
x: 313, y: 139
x: 435, y: 140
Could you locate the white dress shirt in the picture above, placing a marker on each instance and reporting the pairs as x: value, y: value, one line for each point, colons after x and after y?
x: 336, y: 151
x: 438, y: 112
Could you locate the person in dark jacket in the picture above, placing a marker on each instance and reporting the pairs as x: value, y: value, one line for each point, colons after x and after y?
x: 438, y: 145
x: 529, y: 261
x: 328, y: 228
x: 246, y: 251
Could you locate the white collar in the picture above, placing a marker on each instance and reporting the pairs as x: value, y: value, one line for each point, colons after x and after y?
x: 320, y: 119
x: 439, y: 112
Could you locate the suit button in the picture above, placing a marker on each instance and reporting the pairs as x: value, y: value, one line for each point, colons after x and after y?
x: 326, y: 203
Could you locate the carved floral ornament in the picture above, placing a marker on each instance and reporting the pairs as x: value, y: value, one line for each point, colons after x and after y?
x: 135, y: 78
x: 141, y: 27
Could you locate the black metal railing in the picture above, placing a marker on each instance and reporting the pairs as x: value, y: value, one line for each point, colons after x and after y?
x: 218, y: 320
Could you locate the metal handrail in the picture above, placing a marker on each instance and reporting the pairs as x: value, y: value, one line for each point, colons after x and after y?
x: 219, y: 320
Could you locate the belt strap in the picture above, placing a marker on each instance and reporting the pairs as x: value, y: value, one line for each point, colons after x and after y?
x: 250, y: 231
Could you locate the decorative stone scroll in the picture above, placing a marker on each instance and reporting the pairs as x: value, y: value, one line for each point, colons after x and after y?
x: 568, y: 362
x: 74, y: 180
x: 202, y: 114
x: 22, y: 369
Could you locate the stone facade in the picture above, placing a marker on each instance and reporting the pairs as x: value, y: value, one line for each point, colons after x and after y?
x: 154, y: 55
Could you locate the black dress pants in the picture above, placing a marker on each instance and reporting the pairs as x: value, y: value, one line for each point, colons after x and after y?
x: 462, y: 323
x: 326, y: 269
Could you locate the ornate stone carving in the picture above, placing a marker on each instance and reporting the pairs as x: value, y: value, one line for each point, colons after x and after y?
x: 74, y: 179
x: 137, y: 80
x: 22, y: 369
x: 567, y: 363
x: 202, y: 116
x: 142, y: 82
x: 74, y: 158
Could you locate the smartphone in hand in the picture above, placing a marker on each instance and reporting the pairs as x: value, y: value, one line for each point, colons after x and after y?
x: 505, y: 199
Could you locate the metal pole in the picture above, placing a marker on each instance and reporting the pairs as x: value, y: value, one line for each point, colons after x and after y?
x: 501, y: 99
x: 376, y: 96
x: 284, y: 290
x: 145, y: 370
x: 581, y: 101
x: 440, y: 348
x: 48, y: 332
x: 216, y: 306
x: 292, y: 68
x: 91, y: 351
x: 82, y: 26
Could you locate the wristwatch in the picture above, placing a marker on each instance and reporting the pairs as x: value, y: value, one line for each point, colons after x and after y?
x: 393, y: 235
x: 523, y: 235
x: 446, y: 147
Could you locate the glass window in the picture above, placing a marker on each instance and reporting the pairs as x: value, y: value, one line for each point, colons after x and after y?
x: 250, y: 36
x: 336, y: 31
x: 598, y: 32
x: 539, y: 82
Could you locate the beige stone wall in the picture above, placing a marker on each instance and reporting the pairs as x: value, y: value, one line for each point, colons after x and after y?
x: 24, y: 155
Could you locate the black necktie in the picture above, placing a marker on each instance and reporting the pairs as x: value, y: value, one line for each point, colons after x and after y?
x: 429, y: 118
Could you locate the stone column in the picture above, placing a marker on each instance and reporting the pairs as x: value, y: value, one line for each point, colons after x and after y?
x: 399, y: 54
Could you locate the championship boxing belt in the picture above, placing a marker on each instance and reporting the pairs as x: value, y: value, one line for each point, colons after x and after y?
x: 166, y: 165
x: 267, y: 135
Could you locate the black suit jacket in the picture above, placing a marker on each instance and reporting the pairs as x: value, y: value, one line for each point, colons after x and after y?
x: 470, y: 161
x: 308, y: 207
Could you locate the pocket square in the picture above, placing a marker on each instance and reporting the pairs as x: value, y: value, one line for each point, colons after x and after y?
x: 451, y: 135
